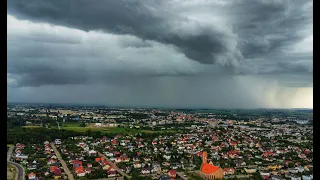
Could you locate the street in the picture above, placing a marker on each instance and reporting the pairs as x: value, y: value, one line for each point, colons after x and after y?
x: 114, y: 166
x: 64, y: 165
x: 181, y: 174
x: 21, y: 173
x: 9, y: 153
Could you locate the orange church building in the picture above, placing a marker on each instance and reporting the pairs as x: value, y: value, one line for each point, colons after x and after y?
x: 208, y: 170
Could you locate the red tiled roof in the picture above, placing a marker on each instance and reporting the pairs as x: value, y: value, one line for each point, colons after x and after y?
x: 173, y: 172
x: 209, y: 169
x: 53, y: 168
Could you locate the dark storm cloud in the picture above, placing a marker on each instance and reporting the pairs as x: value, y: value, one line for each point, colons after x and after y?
x: 137, y: 52
x: 259, y: 27
x: 145, y: 19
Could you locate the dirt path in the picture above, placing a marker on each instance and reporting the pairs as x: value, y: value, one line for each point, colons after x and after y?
x: 64, y: 165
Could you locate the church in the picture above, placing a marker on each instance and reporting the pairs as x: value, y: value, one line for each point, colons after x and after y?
x: 208, y: 171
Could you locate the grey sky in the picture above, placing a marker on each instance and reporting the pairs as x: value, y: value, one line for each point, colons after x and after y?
x: 196, y: 53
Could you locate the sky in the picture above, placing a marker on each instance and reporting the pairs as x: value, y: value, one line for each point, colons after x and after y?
x: 168, y: 53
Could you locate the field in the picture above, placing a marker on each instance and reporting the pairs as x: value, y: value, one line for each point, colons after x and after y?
x: 32, y: 127
x: 75, y: 126
x: 11, y: 172
x: 114, y: 130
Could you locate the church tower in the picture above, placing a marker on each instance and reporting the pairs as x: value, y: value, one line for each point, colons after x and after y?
x: 204, y: 158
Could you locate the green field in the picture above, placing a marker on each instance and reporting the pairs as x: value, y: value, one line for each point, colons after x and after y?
x: 70, y: 124
x: 32, y: 127
x: 75, y: 126
x: 114, y: 130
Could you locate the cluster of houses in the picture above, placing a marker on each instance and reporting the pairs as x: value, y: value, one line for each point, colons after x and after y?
x: 82, y: 166
x: 40, y: 163
x: 238, y: 150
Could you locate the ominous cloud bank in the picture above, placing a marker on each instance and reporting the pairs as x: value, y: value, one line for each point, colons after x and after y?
x: 197, y: 49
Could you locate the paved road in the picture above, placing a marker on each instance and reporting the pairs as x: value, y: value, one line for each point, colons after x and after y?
x: 114, y: 178
x: 181, y: 175
x: 114, y: 166
x: 21, y: 173
x: 64, y: 165
x: 9, y: 153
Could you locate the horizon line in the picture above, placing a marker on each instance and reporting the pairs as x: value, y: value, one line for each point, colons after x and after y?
x: 145, y: 107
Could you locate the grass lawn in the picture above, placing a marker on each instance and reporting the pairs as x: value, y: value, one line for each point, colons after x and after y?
x: 32, y: 127
x: 11, y: 172
x: 70, y: 124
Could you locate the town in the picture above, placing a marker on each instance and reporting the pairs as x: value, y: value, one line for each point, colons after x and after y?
x: 95, y: 142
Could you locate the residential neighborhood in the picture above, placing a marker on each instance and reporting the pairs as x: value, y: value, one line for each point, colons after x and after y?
x: 260, y: 148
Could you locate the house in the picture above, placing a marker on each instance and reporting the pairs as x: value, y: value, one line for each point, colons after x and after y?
x: 106, y: 167
x: 92, y: 153
x: 300, y: 169
x: 274, y: 167
x: 78, y: 169
x: 51, y: 161
x: 111, y: 172
x: 293, y: 170
x: 18, y: 151
x: 136, y: 165
x: 108, y: 154
x: 46, y: 173
x: 57, y: 173
x: 267, y: 154
x: 228, y: 171
x: 304, y: 177
x: 145, y: 171
x: 77, y: 163
x: 295, y: 178
x: 118, y: 160
x: 136, y: 159
x: 167, y: 157
x: 21, y: 156
x: 87, y: 170
x: 32, y: 176
x: 264, y: 173
x: 172, y: 173
x: 303, y: 156
x: 57, y: 141
x: 240, y: 163
x: 124, y: 158
x: 250, y: 171
x: 307, y: 167
x: 81, y: 173
x: 89, y: 165
x: 53, y: 168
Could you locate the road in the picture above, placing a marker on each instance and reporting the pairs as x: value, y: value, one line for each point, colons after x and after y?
x: 114, y: 166
x: 181, y: 175
x: 64, y: 165
x: 114, y: 178
x: 9, y: 153
x: 21, y: 173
